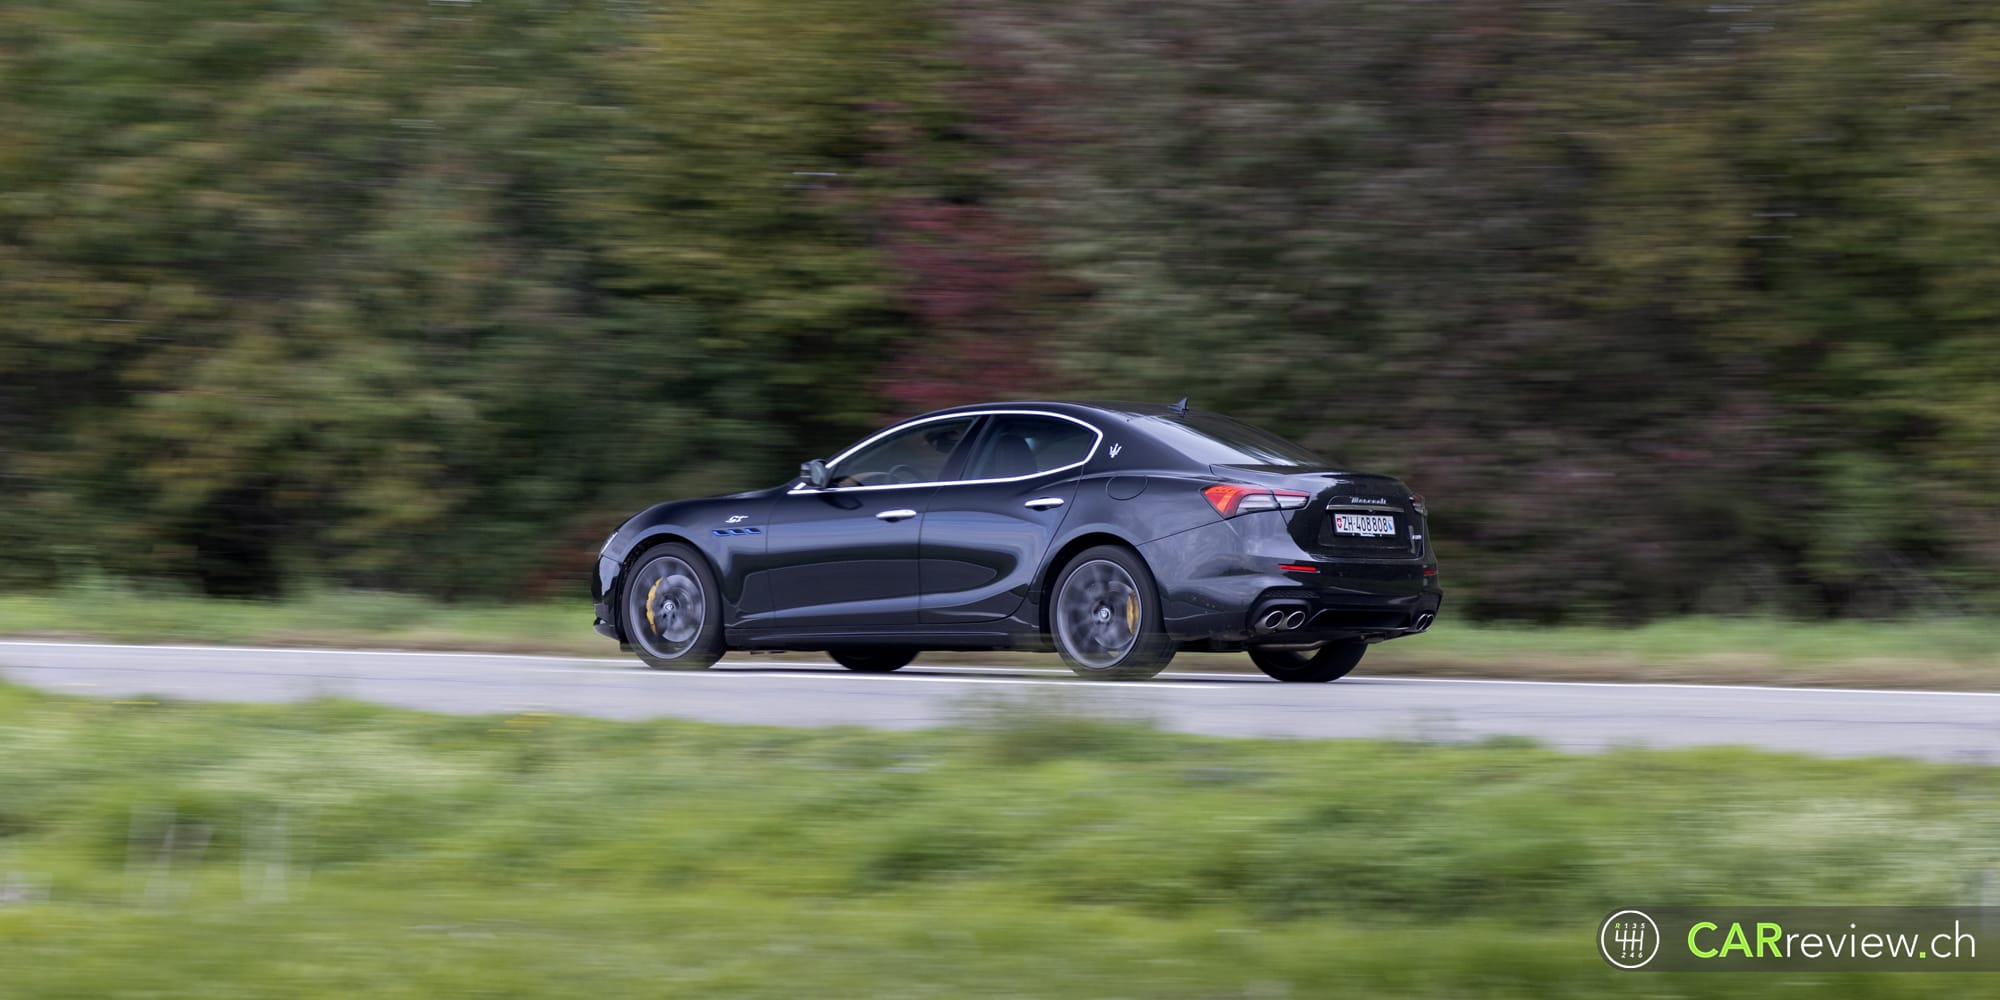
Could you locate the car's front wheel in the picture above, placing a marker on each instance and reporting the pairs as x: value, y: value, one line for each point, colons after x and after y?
x: 873, y: 660
x: 673, y: 612
x: 1330, y: 662
x: 1105, y: 617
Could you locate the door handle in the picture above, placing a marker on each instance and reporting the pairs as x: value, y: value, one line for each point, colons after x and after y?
x: 1043, y: 503
x: 899, y: 514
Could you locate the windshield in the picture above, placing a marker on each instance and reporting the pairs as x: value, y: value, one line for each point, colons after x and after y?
x: 1217, y: 440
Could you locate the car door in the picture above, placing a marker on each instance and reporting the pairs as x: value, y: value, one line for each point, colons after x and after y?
x: 846, y: 557
x: 985, y: 537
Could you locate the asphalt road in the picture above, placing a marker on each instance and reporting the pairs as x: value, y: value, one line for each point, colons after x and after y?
x: 1945, y: 726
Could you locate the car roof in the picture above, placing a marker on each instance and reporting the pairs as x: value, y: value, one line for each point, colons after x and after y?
x: 1071, y: 406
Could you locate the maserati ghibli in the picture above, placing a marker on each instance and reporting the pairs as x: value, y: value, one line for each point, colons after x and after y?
x: 1115, y: 534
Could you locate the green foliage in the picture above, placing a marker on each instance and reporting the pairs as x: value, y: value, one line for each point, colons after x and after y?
x: 432, y: 294
x: 335, y: 849
x: 1668, y: 307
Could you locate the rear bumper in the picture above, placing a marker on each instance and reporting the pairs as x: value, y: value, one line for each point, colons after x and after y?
x: 1296, y: 615
x: 1218, y: 583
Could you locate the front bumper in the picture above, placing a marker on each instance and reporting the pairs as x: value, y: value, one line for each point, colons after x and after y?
x: 603, y: 590
x: 604, y: 624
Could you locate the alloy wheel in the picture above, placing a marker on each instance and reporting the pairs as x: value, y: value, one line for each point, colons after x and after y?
x: 669, y: 607
x: 1098, y: 613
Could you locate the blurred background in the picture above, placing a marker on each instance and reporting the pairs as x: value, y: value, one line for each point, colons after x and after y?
x: 1669, y: 307
x: 1673, y: 309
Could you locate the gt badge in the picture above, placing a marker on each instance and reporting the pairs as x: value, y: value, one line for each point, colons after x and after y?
x: 737, y: 517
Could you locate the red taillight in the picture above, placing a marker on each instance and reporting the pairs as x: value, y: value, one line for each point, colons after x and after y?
x: 1417, y: 503
x: 1298, y: 568
x: 1231, y: 499
x: 1225, y: 498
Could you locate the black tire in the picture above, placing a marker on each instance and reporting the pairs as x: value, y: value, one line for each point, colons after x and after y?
x: 1105, y: 619
x: 873, y: 660
x: 1330, y: 662
x: 672, y: 609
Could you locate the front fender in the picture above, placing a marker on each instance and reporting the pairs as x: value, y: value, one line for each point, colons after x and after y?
x: 727, y: 531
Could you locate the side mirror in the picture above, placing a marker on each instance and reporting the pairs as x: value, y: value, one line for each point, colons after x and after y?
x: 816, y: 474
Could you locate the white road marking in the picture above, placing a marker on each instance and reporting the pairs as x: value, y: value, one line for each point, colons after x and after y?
x: 1676, y: 686
x: 752, y: 668
x: 37, y: 644
x: 841, y: 675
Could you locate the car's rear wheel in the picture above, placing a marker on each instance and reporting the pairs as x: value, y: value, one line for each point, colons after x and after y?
x: 673, y: 612
x: 1105, y: 617
x: 873, y: 660
x: 1330, y: 662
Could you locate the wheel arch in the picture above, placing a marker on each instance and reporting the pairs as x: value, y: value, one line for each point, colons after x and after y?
x: 661, y: 536
x: 642, y: 545
x: 1045, y: 582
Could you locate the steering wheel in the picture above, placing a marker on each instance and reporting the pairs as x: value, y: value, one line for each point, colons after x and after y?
x: 905, y: 474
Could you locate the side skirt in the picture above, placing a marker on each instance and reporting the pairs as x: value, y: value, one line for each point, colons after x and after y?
x: 962, y: 639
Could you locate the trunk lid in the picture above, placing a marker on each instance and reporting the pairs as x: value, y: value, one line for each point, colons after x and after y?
x: 1348, y: 515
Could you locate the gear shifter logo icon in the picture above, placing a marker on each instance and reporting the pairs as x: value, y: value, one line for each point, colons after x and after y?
x: 1629, y: 939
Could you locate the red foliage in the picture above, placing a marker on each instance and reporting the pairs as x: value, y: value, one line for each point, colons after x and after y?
x: 971, y: 278
x: 966, y: 277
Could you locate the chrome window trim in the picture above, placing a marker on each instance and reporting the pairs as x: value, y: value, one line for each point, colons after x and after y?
x: 834, y: 463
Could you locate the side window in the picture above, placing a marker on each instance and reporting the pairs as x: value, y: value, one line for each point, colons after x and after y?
x: 917, y: 455
x: 1025, y: 445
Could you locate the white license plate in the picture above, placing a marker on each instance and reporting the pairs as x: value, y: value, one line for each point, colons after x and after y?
x: 1370, y: 525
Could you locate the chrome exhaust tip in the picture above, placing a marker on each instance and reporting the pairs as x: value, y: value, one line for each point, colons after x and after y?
x: 1295, y: 619
x: 1424, y: 622
x: 1271, y: 620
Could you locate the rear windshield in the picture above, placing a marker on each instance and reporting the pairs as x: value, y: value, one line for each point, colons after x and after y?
x: 1216, y: 440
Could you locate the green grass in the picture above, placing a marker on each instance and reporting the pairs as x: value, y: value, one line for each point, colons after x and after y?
x: 1959, y: 653
x: 341, y: 850
x: 122, y: 613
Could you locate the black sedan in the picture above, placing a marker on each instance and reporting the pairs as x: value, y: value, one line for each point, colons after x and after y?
x: 1114, y: 533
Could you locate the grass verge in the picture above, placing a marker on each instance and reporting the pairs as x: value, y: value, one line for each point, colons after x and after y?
x: 338, y: 850
x: 1945, y: 654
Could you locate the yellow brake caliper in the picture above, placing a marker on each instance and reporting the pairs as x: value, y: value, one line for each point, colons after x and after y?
x: 1132, y: 612
x: 652, y: 600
